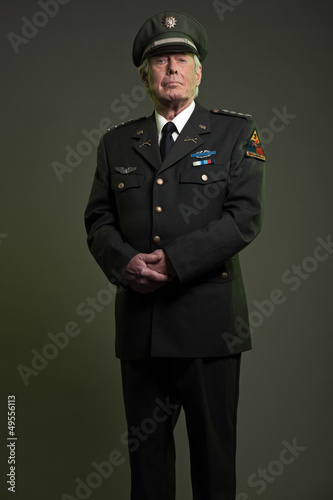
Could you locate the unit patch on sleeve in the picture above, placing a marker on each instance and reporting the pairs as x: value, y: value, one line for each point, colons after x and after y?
x: 254, y: 148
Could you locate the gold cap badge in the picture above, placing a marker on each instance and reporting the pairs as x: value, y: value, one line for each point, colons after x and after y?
x: 169, y: 21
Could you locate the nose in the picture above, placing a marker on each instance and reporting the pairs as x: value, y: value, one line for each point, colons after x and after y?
x: 172, y: 67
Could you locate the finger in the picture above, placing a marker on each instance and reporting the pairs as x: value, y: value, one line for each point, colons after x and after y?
x: 158, y: 251
x: 151, y: 257
x: 152, y: 275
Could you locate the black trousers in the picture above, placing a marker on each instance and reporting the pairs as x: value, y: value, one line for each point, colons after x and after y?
x: 154, y: 391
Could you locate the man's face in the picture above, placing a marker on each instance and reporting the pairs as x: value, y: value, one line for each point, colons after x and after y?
x: 172, y: 78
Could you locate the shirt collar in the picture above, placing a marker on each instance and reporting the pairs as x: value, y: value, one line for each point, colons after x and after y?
x: 179, y: 120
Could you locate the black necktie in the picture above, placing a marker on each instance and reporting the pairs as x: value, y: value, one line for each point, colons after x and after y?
x: 167, y: 140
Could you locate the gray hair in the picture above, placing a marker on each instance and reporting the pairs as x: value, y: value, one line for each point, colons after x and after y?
x: 144, y: 70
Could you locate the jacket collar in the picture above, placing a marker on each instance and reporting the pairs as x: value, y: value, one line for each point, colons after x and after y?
x: 190, y: 139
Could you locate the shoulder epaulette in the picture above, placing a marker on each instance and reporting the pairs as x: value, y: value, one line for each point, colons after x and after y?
x: 230, y: 113
x: 125, y: 123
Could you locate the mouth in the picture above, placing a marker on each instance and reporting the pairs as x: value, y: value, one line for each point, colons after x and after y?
x: 172, y: 82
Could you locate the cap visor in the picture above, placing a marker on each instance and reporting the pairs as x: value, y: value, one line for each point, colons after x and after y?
x: 171, y: 48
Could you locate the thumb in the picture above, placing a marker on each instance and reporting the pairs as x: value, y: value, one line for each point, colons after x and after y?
x: 152, y: 258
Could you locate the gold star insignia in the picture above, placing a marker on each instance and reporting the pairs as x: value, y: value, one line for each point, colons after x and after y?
x: 169, y: 21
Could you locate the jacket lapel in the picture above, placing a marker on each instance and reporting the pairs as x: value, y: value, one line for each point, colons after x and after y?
x: 146, y: 144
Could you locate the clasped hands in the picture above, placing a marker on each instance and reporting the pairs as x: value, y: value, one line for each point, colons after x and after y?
x: 146, y: 273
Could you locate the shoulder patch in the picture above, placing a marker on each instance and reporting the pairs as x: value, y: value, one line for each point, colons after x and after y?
x: 230, y: 113
x: 125, y: 123
x: 254, y: 148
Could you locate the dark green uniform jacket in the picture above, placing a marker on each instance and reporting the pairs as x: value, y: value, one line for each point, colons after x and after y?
x: 201, y: 214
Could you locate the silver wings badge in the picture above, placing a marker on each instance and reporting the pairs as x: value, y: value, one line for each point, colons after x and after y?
x: 125, y: 170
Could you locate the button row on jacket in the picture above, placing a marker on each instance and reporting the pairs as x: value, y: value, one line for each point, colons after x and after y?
x: 158, y: 210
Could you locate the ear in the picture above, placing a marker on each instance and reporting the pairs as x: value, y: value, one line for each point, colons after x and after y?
x: 198, y: 76
x: 144, y: 79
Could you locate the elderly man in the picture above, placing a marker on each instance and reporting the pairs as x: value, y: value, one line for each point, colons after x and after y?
x: 175, y: 198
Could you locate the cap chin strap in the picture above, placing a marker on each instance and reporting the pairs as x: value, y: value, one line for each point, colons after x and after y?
x: 168, y: 40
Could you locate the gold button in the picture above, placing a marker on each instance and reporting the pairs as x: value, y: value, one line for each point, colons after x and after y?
x: 158, y: 209
x: 121, y: 185
x: 159, y: 181
x: 224, y: 275
x: 156, y: 239
x: 204, y: 177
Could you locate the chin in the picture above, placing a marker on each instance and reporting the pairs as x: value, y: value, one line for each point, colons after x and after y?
x: 175, y: 96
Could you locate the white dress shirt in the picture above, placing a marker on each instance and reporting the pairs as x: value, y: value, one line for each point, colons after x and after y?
x: 179, y: 120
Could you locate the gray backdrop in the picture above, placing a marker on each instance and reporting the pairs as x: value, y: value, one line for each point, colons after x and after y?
x: 66, y: 76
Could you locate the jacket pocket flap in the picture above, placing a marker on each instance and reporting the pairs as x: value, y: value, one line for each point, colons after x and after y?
x: 204, y: 175
x: 121, y: 182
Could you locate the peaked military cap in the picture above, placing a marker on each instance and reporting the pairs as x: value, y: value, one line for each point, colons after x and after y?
x: 170, y: 31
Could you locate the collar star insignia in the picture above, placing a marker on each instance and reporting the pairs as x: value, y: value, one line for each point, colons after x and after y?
x: 169, y: 21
